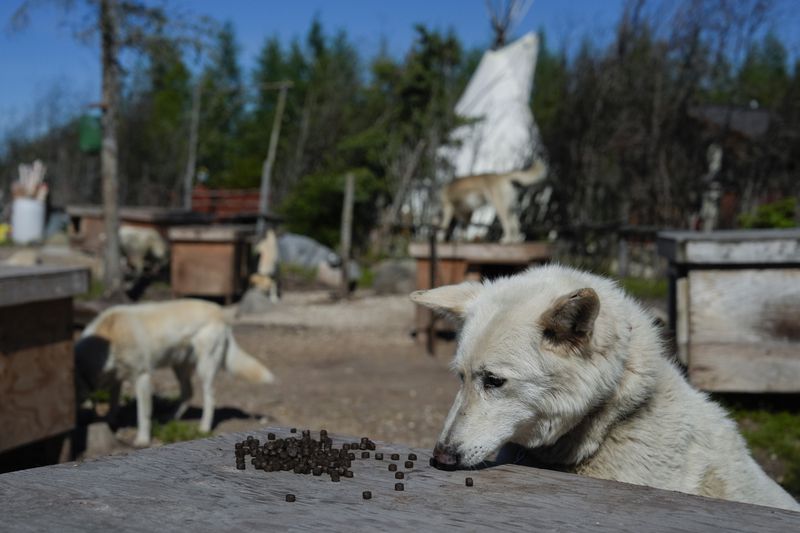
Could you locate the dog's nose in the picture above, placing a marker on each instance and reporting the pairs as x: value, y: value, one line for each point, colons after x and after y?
x: 445, y: 455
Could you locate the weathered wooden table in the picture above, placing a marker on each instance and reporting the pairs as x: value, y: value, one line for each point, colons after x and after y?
x: 734, y: 305
x: 195, y: 486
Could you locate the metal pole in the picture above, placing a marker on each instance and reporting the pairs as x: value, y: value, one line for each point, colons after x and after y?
x: 266, y: 169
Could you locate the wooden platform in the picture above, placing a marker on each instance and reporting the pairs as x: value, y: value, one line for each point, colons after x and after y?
x: 735, y: 307
x: 462, y: 261
x: 194, y: 486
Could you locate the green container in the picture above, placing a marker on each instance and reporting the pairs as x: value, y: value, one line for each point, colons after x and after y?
x: 90, y: 133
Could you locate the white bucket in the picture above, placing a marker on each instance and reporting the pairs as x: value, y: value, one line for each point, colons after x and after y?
x: 27, y: 220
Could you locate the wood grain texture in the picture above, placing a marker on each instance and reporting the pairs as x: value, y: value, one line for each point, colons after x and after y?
x: 207, y: 268
x: 744, y: 330
x: 37, y: 386
x: 194, y: 486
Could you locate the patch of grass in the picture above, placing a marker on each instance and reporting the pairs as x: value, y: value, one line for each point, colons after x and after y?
x: 305, y: 274
x: 100, y: 396
x: 96, y: 291
x: 646, y: 289
x: 773, y: 434
x: 367, y: 278
x: 177, y: 431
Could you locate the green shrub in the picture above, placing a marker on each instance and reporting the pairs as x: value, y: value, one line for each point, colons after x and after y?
x: 780, y: 214
x: 177, y: 431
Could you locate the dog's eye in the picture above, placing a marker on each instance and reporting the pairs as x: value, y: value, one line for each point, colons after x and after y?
x: 461, y: 376
x: 493, y: 382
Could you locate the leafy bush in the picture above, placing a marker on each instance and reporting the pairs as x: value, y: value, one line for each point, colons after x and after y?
x: 778, y: 214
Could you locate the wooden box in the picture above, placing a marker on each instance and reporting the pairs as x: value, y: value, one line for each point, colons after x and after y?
x: 210, y: 261
x: 735, y: 308
x: 37, y: 383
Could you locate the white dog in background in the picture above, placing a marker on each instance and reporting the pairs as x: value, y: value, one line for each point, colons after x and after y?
x: 564, y: 364
x: 144, y: 249
x: 128, y: 342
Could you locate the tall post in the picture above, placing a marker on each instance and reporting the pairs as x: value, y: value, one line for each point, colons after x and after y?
x: 347, y: 231
x: 191, y: 161
x: 266, y: 169
x: 109, y: 30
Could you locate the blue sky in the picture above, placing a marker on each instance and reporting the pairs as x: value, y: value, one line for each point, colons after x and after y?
x: 45, y: 54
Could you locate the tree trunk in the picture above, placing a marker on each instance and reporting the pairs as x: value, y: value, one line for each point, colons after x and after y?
x: 269, y: 162
x: 347, y: 231
x: 109, y: 28
x: 191, y: 160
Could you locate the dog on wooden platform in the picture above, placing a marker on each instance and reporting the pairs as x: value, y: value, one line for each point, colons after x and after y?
x: 565, y: 365
x: 128, y: 342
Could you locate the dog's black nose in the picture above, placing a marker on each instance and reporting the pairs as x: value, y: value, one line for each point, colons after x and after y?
x: 446, y: 456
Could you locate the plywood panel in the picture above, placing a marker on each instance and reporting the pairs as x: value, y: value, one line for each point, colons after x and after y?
x: 37, y: 384
x: 744, y: 329
x: 204, y: 268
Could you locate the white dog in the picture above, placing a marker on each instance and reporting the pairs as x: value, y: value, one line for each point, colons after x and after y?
x: 564, y: 364
x: 143, y: 248
x: 127, y: 342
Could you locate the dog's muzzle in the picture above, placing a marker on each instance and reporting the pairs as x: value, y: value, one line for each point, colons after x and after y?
x: 446, y: 456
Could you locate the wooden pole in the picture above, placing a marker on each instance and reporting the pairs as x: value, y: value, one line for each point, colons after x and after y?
x: 347, y: 231
x: 266, y: 169
x: 109, y: 31
x: 191, y: 161
x: 431, y: 340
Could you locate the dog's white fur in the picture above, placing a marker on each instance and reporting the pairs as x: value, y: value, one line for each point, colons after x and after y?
x: 143, y: 248
x: 587, y: 388
x: 464, y: 195
x: 127, y: 342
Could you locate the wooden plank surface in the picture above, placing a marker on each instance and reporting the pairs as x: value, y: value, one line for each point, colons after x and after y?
x: 195, y: 486
x: 19, y: 285
x: 217, y: 233
x: 726, y: 247
x: 37, y: 384
x: 204, y: 268
x: 744, y: 330
x: 485, y: 253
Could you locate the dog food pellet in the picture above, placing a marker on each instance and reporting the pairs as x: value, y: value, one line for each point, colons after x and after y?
x: 409, y: 464
x: 399, y: 475
x: 290, y: 498
x: 306, y: 433
x: 345, y: 446
x: 270, y: 436
x: 379, y: 456
x: 468, y: 481
x: 392, y: 467
x: 367, y: 495
x: 335, y: 476
x: 412, y: 457
x: 348, y: 473
x: 365, y: 455
x: 239, y: 466
x: 351, y: 456
x: 323, y: 433
x: 398, y: 486
x: 395, y: 457
x: 432, y: 462
x: 293, y: 430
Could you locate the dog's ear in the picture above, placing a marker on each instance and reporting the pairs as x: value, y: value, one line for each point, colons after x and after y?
x: 570, y: 320
x: 450, y: 299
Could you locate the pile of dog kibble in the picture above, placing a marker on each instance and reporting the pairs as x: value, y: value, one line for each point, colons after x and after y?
x: 305, y: 455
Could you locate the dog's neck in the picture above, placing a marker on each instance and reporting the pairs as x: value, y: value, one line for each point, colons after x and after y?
x: 636, y: 391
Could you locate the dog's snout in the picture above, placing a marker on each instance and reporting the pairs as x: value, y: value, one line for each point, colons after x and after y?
x: 446, y: 456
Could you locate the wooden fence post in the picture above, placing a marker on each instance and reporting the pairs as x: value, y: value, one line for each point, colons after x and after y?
x: 347, y: 231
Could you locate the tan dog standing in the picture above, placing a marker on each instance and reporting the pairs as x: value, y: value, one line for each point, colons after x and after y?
x: 464, y: 195
x: 128, y: 342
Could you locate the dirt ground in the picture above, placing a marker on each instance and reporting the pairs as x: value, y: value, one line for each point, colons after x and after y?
x: 351, y: 367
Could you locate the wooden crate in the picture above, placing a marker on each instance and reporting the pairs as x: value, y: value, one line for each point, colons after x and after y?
x: 735, y: 308
x: 88, y: 226
x: 210, y: 261
x: 457, y: 262
x: 37, y: 384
